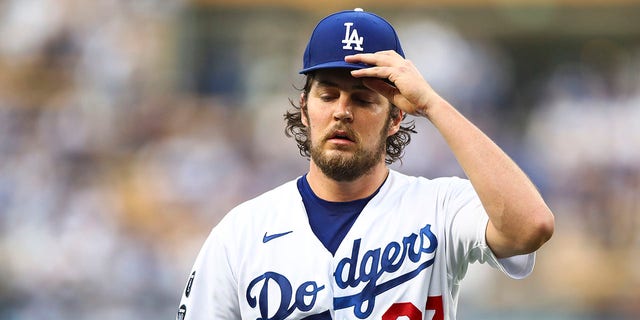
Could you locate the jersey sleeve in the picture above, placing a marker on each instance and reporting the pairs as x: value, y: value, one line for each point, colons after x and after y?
x: 211, y: 291
x: 466, y: 227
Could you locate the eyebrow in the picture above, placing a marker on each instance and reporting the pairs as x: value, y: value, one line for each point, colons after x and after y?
x: 329, y: 83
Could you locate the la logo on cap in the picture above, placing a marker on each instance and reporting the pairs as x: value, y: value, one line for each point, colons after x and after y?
x: 351, y: 38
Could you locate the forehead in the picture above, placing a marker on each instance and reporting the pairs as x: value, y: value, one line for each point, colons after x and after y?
x: 338, y: 77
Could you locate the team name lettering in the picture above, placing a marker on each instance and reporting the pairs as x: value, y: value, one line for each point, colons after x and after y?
x: 305, y: 296
x: 351, y: 272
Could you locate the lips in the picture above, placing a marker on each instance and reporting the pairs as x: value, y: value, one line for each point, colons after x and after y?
x: 342, y: 135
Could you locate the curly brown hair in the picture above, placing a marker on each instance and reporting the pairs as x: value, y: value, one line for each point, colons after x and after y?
x: 296, y: 129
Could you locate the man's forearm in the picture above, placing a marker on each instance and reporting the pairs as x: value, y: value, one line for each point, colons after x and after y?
x: 520, y: 220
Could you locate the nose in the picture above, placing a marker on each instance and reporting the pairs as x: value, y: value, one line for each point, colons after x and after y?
x: 342, y: 111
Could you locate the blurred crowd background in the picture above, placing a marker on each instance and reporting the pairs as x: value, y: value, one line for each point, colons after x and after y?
x: 129, y: 128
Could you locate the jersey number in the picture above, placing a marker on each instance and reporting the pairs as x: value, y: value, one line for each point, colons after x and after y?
x: 410, y: 311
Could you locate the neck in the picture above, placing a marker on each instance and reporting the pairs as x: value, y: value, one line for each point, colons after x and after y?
x: 340, y: 191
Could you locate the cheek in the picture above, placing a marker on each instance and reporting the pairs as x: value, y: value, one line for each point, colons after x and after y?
x: 312, y: 125
x: 314, y: 118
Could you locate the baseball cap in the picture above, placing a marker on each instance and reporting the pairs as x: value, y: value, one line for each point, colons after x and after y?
x: 345, y: 33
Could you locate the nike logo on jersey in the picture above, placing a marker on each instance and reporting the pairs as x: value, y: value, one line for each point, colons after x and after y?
x: 270, y: 237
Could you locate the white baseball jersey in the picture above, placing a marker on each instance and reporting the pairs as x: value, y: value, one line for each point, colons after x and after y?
x: 403, y: 257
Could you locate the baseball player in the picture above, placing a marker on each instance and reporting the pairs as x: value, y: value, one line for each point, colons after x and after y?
x: 352, y: 239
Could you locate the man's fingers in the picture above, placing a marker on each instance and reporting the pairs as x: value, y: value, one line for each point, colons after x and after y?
x: 403, y: 81
x: 377, y: 59
x: 373, y: 72
x: 366, y: 58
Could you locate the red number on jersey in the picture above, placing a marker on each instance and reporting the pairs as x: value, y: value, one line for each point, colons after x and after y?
x: 407, y: 309
x: 402, y: 309
x: 435, y: 303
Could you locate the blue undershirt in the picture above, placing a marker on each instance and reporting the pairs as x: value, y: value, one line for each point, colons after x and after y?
x: 330, y: 221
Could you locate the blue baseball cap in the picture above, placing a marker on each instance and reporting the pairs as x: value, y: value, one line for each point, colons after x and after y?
x: 345, y: 33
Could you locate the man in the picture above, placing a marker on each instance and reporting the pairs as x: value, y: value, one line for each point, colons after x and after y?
x: 352, y: 239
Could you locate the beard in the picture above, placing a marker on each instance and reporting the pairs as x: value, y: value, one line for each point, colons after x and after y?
x: 342, y: 166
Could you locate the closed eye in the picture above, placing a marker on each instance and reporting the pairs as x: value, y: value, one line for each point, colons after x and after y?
x: 327, y: 98
x: 363, y: 101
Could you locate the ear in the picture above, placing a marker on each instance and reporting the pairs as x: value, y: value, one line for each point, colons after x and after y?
x: 396, y: 120
x: 304, y: 117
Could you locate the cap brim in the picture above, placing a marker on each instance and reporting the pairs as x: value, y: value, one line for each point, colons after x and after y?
x: 335, y: 64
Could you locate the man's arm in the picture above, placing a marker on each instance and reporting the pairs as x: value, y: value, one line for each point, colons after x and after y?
x: 519, y: 219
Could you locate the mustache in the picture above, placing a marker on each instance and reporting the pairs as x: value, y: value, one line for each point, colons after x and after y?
x: 341, y: 131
